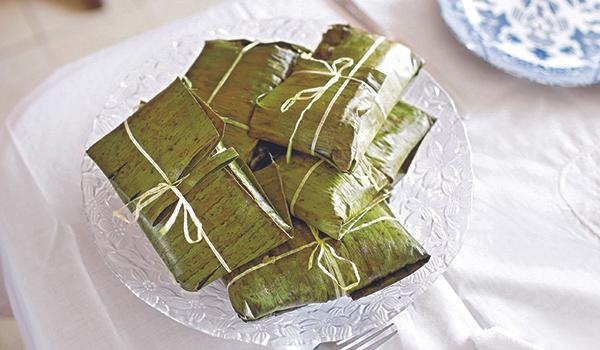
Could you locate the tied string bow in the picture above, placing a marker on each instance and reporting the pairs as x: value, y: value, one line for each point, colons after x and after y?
x: 326, y: 253
x: 326, y: 256
x: 155, y: 192
x: 336, y: 72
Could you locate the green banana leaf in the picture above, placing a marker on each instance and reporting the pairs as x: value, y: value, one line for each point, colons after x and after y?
x: 401, y: 133
x: 394, y: 59
x: 182, y: 135
x: 392, y: 149
x: 270, y: 179
x: 258, y: 70
x: 342, y: 130
x: 383, y: 253
x: 329, y: 199
x: 356, y: 114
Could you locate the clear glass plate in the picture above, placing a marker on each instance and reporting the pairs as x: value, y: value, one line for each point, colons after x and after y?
x: 433, y: 201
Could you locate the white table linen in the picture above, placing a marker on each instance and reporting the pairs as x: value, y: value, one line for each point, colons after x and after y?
x: 528, y: 274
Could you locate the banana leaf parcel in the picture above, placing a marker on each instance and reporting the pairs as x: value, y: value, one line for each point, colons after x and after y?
x: 230, y: 75
x: 394, y: 59
x: 401, y: 133
x: 333, y: 106
x: 378, y: 253
x: 326, y: 198
x: 198, y: 204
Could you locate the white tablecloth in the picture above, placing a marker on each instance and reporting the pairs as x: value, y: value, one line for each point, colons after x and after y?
x: 529, y: 270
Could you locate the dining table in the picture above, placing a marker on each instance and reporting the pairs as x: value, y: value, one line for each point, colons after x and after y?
x: 526, y: 277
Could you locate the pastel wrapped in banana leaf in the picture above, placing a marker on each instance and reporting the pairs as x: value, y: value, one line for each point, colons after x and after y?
x: 230, y: 74
x: 401, y: 133
x: 394, y: 59
x: 378, y: 253
x: 326, y: 198
x: 198, y: 204
x: 334, y: 106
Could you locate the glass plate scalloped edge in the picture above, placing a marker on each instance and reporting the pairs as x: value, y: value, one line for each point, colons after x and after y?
x: 433, y: 201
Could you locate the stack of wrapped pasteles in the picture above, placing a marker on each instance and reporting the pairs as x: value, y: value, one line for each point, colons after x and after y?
x: 269, y: 165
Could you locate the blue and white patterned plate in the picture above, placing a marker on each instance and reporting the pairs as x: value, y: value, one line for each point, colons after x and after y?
x: 554, y: 42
